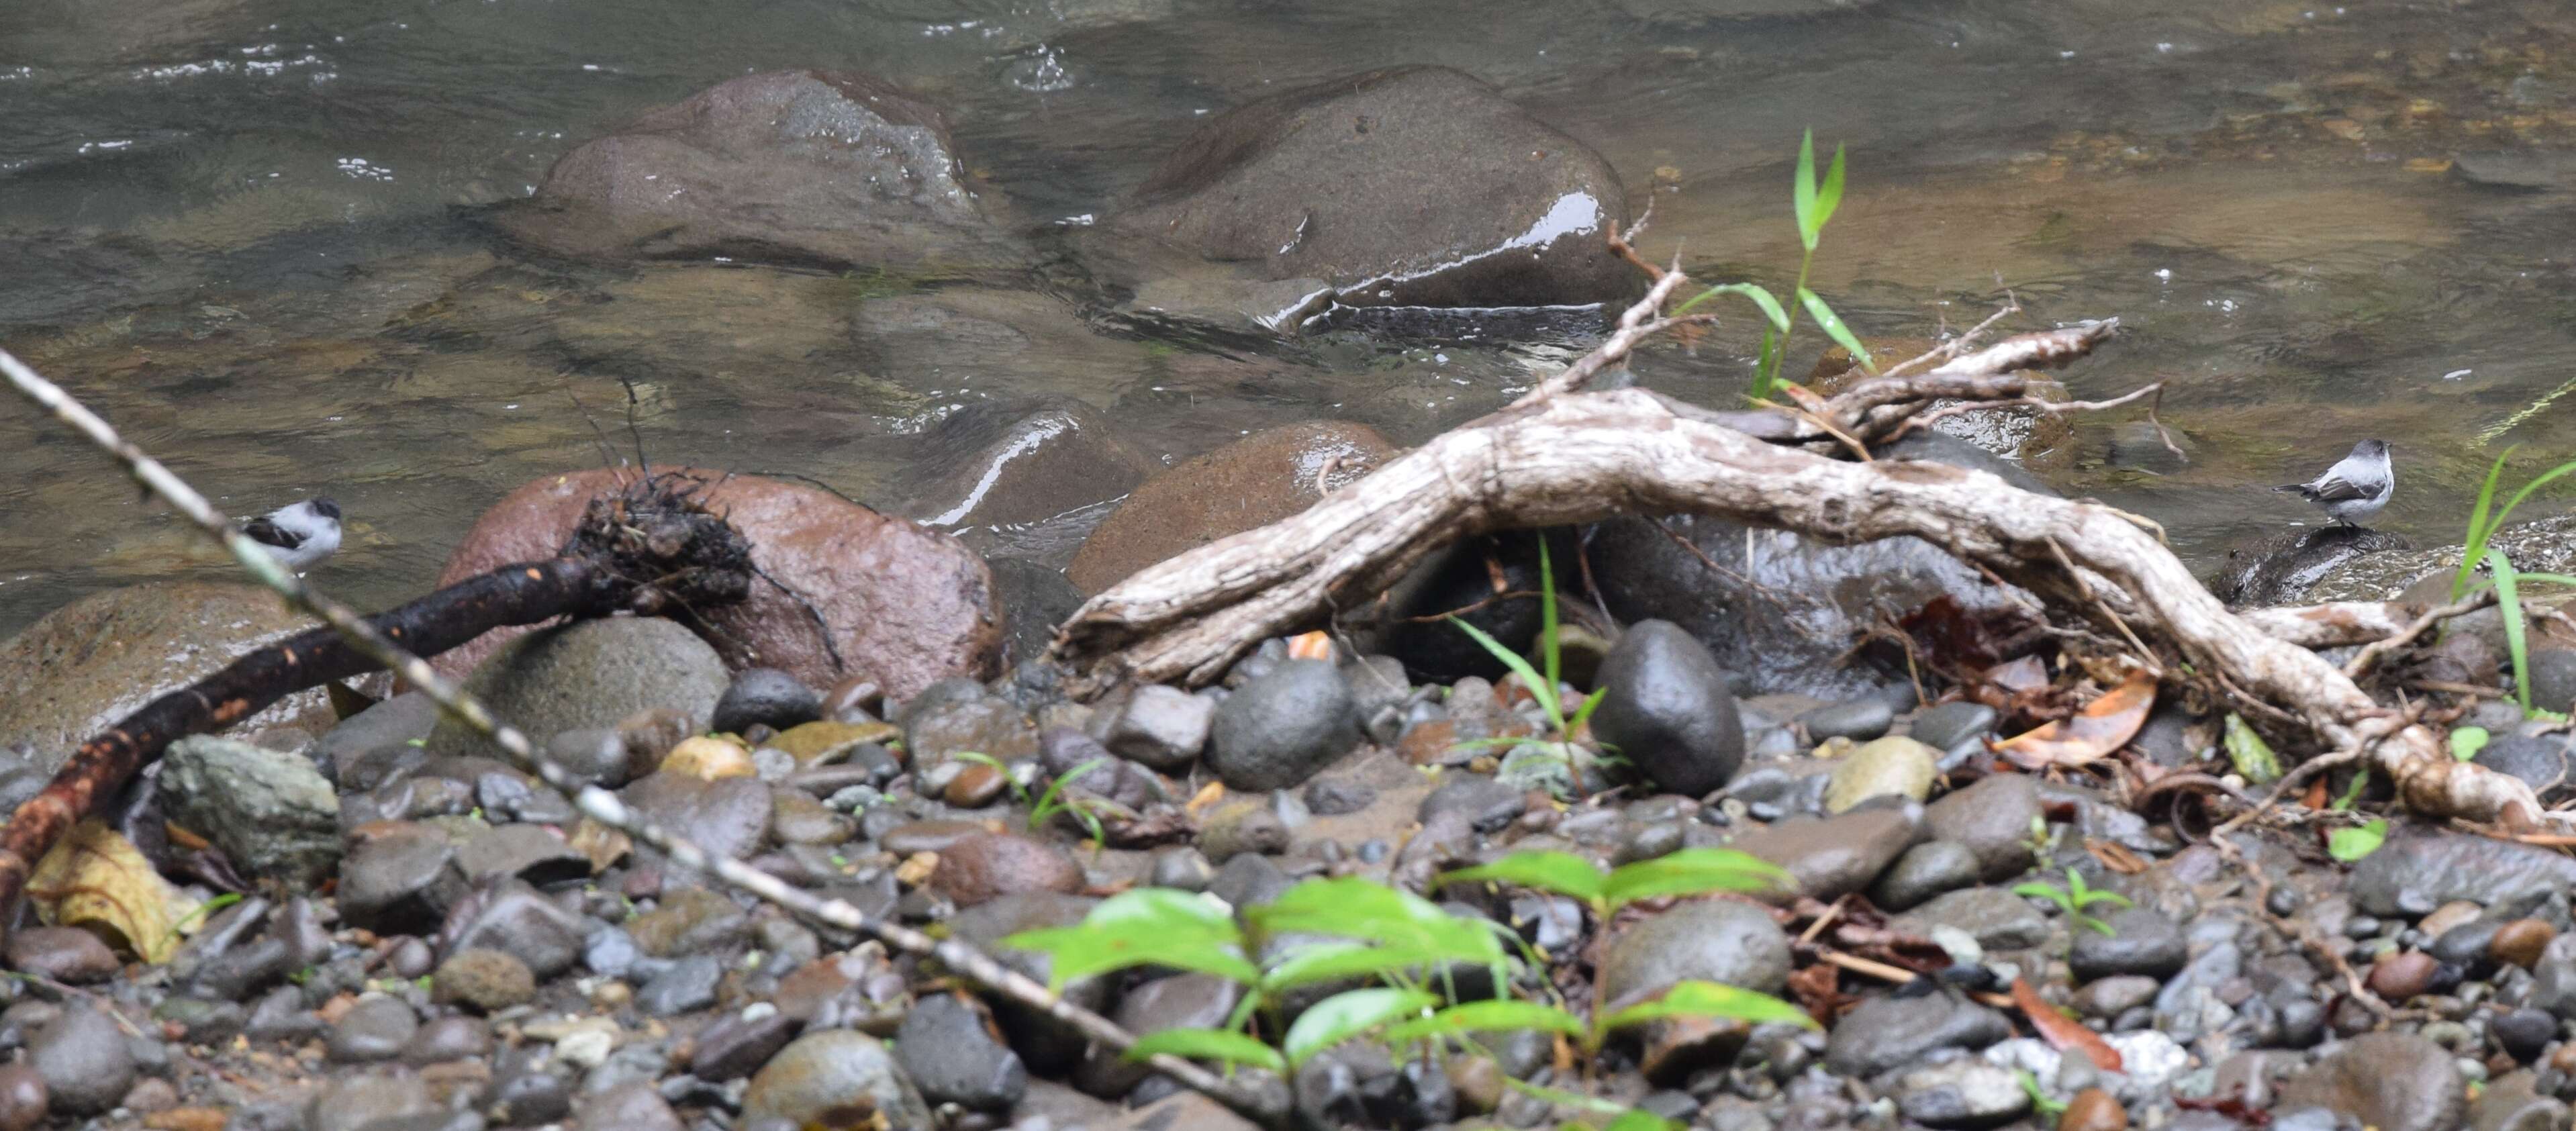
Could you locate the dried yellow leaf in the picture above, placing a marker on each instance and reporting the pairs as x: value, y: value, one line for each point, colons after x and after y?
x: 98, y: 880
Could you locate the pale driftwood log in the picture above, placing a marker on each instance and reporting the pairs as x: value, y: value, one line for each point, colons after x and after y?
x: 1582, y: 457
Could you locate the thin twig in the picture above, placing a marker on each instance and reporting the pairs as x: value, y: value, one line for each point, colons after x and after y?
x: 2362, y: 661
x: 594, y: 802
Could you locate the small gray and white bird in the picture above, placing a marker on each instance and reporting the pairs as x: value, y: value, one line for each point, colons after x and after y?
x: 2354, y: 489
x: 301, y: 535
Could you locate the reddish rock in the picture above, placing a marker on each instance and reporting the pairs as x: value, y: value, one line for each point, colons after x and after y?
x: 980, y: 868
x: 2521, y: 941
x: 1254, y: 481
x: 907, y: 606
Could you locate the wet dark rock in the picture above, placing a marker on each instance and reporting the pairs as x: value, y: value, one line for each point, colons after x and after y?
x: 1461, y: 577
x: 2141, y: 942
x: 1733, y: 943
x: 1162, y: 727
x: 1926, y: 870
x: 2552, y: 673
x: 389, y: 725
x: 1242, y: 825
x: 1035, y: 599
x: 2524, y: 1033
x: 270, y: 811
x: 282, y: 1016
x: 933, y: 729
x: 376, y: 1028
x: 686, y: 985
x: 1857, y: 719
x: 1257, y: 480
x: 1886, y: 1032
x: 1334, y: 797
x: 980, y: 868
x: 64, y: 954
x: 510, y: 916
x: 1992, y: 819
x: 487, y: 980
x: 736, y: 1045
x: 2282, y: 569
x: 765, y: 697
x: 833, y: 1070
x: 2542, y: 760
x: 1835, y: 856
x: 952, y: 1055
x: 590, y: 673
x: 1796, y: 645
x: 1282, y: 728
x: 2391, y: 1081
x: 1487, y: 804
x: 2413, y: 873
x: 831, y: 168
x: 529, y: 1087
x: 1950, y: 724
x: 1669, y: 711
x: 727, y: 817
x: 1046, y: 1045
x: 530, y: 852
x: 1286, y: 193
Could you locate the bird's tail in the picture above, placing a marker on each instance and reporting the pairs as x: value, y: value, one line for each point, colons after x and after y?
x: 2301, y: 488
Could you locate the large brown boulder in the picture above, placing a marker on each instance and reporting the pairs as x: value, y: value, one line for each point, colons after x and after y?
x: 1255, y: 481
x: 907, y: 606
x: 100, y: 658
x: 1417, y: 186
x: 828, y: 167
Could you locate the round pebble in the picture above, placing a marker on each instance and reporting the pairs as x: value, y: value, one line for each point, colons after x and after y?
x: 2520, y: 942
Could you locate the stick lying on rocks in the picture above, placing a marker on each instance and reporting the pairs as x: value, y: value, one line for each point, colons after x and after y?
x: 361, y: 637
x: 1578, y: 457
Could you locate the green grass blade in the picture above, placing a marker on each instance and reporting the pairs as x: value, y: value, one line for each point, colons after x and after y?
x: 1695, y: 871
x: 2509, y: 603
x: 1802, y: 194
x: 1048, y: 802
x: 1830, y: 196
x: 1209, y: 1044
x: 1834, y: 328
x: 1547, y: 626
x: 1583, y: 714
x: 1538, y: 684
x: 2498, y: 521
x: 2474, y: 546
x: 1772, y: 311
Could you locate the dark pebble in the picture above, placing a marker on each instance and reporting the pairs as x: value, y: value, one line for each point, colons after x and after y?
x: 1949, y: 724
x: 376, y: 1028
x: 2523, y: 1033
x: 1857, y: 719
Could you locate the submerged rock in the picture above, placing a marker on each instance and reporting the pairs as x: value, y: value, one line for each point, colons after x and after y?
x: 1418, y: 186
x: 98, y: 659
x: 821, y: 167
x: 1257, y: 480
x: 2284, y: 568
x: 906, y: 606
x: 1057, y: 459
x: 2543, y: 545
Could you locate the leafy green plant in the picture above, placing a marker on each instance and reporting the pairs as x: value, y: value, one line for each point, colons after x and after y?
x: 2350, y: 844
x: 2040, y: 1101
x: 2484, y: 520
x: 1544, y: 685
x: 1404, y: 949
x: 1055, y: 800
x: 1814, y: 202
x: 2075, y: 898
x: 1691, y: 871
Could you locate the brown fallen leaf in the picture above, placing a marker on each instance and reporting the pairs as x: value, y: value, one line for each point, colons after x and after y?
x: 2063, y: 1033
x: 98, y: 880
x: 1316, y: 645
x: 2104, y: 725
x: 2115, y: 856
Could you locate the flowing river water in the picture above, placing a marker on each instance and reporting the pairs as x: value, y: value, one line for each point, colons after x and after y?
x: 254, y: 234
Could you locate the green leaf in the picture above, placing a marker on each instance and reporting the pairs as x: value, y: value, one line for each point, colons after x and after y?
x: 1332, y: 962
x: 1695, y: 871
x: 1771, y: 308
x: 1209, y: 1044
x: 1354, y: 908
x: 2467, y: 741
x: 2352, y: 793
x: 2253, y: 757
x: 2049, y: 892
x: 1485, y: 1016
x: 1830, y: 197
x: 1583, y: 714
x: 1346, y: 1015
x: 1540, y: 689
x: 1709, y: 999
x: 1835, y: 329
x: 2475, y: 545
x: 1766, y: 372
x: 2509, y: 602
x: 1144, y: 927
x: 1048, y: 802
x: 2349, y: 845
x: 1639, y: 1119
x: 1802, y: 193
x: 1547, y: 627
x: 1561, y: 872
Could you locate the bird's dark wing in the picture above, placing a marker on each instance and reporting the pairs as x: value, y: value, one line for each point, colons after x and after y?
x: 2334, y: 488
x: 267, y: 533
